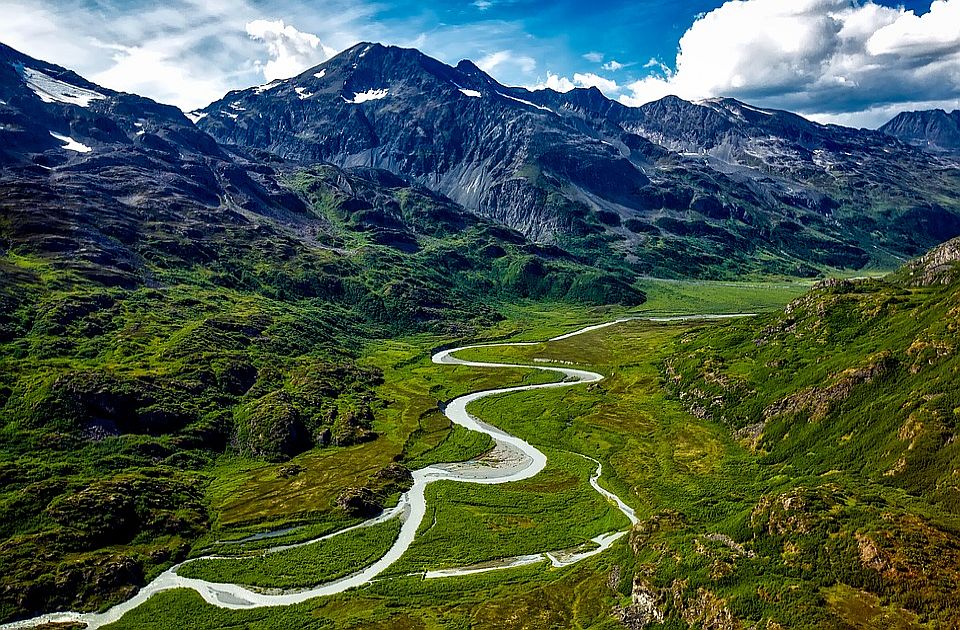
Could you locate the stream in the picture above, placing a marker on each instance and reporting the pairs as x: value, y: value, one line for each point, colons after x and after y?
x: 511, y: 459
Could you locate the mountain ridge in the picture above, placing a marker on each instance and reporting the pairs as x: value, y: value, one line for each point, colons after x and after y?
x: 606, y: 180
x: 933, y: 129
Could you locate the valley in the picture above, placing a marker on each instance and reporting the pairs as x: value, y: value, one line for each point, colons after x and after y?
x: 711, y: 509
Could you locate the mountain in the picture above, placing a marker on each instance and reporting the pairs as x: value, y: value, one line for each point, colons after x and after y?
x: 932, y: 129
x: 453, y: 129
x: 118, y: 184
x: 108, y: 176
x: 711, y: 189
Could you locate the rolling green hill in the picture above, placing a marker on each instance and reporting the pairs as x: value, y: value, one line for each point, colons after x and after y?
x: 851, y: 394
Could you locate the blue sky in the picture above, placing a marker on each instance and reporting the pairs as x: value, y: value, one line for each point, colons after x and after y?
x: 849, y: 61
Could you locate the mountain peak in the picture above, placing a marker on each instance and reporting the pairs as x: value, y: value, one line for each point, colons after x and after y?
x: 468, y: 67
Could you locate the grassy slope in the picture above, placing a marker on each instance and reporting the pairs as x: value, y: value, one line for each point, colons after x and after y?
x: 851, y: 395
x: 242, y: 348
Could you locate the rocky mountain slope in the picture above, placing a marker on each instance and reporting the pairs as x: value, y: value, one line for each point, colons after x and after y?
x: 933, y: 129
x: 717, y: 188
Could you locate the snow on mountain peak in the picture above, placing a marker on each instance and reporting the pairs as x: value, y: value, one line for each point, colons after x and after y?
x: 369, y: 95
x: 51, y: 90
x: 260, y: 89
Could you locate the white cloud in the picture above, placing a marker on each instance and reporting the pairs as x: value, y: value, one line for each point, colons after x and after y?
x: 873, y: 117
x: 496, y: 60
x: 613, y: 65
x: 556, y: 83
x: 594, y: 57
x: 152, y: 70
x: 483, y: 5
x: 183, y: 52
x: 291, y: 51
x: 820, y: 57
x: 583, y: 80
x: 588, y: 79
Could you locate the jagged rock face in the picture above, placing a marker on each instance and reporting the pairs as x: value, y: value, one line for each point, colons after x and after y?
x: 932, y: 129
x: 455, y: 130
x: 720, y: 180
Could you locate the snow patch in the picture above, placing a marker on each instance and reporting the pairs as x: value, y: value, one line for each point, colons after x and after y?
x: 196, y: 116
x: 238, y: 107
x: 471, y: 93
x: 52, y: 90
x: 369, y: 95
x: 260, y: 89
x: 71, y: 144
x: 520, y: 100
x: 754, y: 109
x: 302, y: 93
x: 365, y: 51
x: 320, y: 74
x: 229, y: 115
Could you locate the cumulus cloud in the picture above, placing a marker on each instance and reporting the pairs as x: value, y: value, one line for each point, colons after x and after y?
x: 555, y: 82
x: 583, y: 80
x: 153, y: 70
x: 183, y: 52
x: 588, y: 79
x: 492, y: 62
x: 823, y: 57
x: 613, y: 65
x: 291, y: 51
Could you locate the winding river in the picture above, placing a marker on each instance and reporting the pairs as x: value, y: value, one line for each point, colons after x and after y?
x: 511, y: 459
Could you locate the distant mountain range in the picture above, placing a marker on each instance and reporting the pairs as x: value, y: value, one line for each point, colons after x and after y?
x: 932, y: 129
x: 713, y: 189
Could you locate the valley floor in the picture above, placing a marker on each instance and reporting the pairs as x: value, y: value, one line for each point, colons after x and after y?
x: 693, y: 487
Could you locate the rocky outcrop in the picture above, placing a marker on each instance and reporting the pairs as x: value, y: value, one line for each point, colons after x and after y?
x: 797, y: 511
x: 703, y: 609
x: 645, y: 607
x: 941, y: 265
x: 700, y: 608
x: 360, y: 502
x: 818, y: 402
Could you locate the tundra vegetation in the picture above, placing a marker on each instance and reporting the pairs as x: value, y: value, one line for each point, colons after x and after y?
x: 778, y: 484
